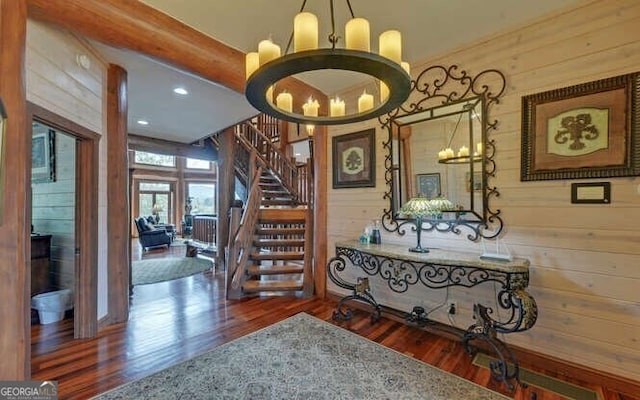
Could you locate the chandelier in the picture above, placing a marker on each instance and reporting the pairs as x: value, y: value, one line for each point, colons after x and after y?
x: 464, y: 155
x: 266, y: 67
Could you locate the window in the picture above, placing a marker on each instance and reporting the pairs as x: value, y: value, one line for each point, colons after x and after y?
x: 154, y: 187
x: 155, y: 199
x: 193, y: 163
x: 203, y: 198
x: 143, y: 157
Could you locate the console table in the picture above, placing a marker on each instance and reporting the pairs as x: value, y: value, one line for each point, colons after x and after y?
x: 440, y: 269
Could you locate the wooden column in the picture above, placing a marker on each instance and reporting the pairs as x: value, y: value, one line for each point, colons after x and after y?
x: 85, y: 317
x: 226, y: 190
x: 404, y: 138
x: 320, y: 166
x: 15, y: 179
x: 118, y: 210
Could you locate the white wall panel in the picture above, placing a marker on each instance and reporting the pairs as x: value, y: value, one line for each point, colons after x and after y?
x: 56, y: 81
x: 585, y: 259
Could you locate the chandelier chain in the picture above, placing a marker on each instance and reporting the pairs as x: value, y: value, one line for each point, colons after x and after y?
x: 333, y: 38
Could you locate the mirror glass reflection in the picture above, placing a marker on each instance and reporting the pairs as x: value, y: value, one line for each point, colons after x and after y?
x: 438, y: 154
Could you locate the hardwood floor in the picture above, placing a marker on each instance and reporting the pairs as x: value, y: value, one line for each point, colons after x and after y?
x: 173, y: 321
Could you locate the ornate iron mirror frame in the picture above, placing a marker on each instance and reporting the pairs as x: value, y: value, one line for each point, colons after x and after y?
x: 436, y: 86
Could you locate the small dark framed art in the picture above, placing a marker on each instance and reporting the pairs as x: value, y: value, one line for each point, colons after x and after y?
x: 589, y: 130
x: 354, y: 160
x: 428, y: 185
x: 43, y: 161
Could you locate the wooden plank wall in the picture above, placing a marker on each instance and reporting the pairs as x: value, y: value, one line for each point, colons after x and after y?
x: 56, y: 81
x: 585, y: 272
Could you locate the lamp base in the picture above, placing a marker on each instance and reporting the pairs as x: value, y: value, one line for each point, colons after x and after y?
x: 418, y: 250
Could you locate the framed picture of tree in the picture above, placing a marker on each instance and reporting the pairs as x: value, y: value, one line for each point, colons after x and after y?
x: 354, y: 160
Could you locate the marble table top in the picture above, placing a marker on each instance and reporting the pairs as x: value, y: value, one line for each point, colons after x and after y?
x: 438, y: 256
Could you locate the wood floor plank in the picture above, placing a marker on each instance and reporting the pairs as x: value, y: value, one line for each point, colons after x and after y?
x: 171, y: 322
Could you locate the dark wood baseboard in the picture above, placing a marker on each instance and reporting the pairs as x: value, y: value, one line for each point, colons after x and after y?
x: 526, y: 358
x: 104, y: 322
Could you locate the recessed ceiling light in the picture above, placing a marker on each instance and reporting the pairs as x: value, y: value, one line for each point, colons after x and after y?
x: 143, y: 122
x: 180, y: 90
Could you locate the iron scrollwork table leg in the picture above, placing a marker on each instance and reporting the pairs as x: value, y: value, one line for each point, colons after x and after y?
x: 523, y: 315
x: 360, y: 291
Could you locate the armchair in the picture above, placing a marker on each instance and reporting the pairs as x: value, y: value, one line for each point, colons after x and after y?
x: 150, y: 236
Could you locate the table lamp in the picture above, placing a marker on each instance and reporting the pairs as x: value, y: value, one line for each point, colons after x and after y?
x: 417, y: 208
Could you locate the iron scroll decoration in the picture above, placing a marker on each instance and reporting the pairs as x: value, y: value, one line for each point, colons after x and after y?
x: 438, y: 86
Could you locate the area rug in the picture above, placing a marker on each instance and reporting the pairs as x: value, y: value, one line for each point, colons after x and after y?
x: 302, y: 358
x: 179, y: 242
x: 166, y: 269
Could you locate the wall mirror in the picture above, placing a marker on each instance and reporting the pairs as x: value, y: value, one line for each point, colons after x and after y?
x: 439, y: 149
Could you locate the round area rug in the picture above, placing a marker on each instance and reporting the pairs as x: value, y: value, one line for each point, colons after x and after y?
x: 166, y: 269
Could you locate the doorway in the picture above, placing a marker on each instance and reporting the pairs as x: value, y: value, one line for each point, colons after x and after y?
x: 53, y: 219
x: 64, y: 204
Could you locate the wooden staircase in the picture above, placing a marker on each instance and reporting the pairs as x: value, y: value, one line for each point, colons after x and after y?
x: 277, y: 262
x: 274, y: 193
x: 270, y: 245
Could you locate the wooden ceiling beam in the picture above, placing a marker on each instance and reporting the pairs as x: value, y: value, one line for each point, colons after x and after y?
x: 204, y: 151
x: 135, y: 26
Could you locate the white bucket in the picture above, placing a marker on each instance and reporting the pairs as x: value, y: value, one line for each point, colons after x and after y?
x: 51, y: 306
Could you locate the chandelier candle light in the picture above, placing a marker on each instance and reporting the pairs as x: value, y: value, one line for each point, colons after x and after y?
x: 267, y: 67
x: 464, y: 155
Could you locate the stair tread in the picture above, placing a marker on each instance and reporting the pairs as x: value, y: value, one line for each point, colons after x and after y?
x: 277, y: 197
x: 274, y: 191
x: 275, y: 269
x: 280, y: 231
x: 257, y: 286
x: 281, y: 202
x: 278, y: 255
x: 278, y: 242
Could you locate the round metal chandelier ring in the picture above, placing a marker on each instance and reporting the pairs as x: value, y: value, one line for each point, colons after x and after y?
x: 391, y: 73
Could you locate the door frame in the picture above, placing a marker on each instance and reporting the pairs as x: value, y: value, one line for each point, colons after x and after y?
x: 86, y: 219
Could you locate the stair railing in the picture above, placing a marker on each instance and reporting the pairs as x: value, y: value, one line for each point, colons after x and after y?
x: 305, y: 184
x: 270, y: 126
x: 242, y: 239
x: 283, y: 168
x: 204, y: 228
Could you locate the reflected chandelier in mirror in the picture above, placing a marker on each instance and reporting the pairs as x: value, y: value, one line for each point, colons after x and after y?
x: 439, y: 148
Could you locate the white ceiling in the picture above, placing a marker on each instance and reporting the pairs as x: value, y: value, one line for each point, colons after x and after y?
x: 429, y: 27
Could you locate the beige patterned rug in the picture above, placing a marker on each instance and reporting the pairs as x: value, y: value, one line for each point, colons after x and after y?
x: 166, y: 269
x: 302, y: 358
